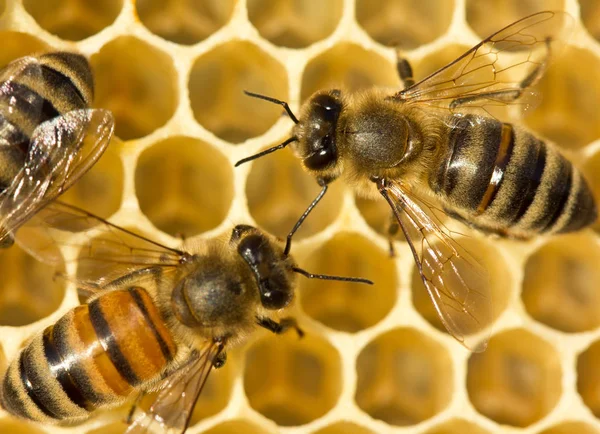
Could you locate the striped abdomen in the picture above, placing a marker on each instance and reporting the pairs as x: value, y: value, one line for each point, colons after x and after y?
x: 96, y: 355
x: 39, y: 89
x: 500, y: 178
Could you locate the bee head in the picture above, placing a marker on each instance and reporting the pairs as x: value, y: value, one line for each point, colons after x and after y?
x: 271, y: 267
x: 317, y: 131
x: 315, y: 134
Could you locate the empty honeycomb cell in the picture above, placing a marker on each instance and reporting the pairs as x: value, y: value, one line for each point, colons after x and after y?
x: 568, y: 112
x: 404, y: 377
x: 498, y: 276
x: 590, y: 15
x: 588, y: 377
x: 29, y: 290
x: 217, y: 83
x: 488, y: 16
x: 571, y: 428
x: 457, y: 426
x: 184, y: 22
x: 16, y: 44
x: 14, y: 426
x: 184, y: 186
x: 73, y: 19
x: 100, y: 190
x: 560, y: 286
x: 517, y: 380
x: 292, y: 381
x: 296, y: 23
x: 279, y: 190
x: 344, y: 428
x: 406, y: 24
x: 2, y: 6
x: 347, y: 66
x: 348, y: 306
x: 137, y: 82
x: 235, y: 427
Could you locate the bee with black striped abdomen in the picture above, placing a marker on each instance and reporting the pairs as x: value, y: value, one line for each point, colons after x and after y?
x: 158, y: 319
x: 49, y: 137
x: 442, y: 140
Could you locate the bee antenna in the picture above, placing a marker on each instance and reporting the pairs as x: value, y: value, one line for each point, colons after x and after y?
x: 267, y: 151
x: 327, y: 277
x: 275, y: 101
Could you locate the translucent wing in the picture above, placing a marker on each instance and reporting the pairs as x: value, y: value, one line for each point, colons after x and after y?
x: 61, y: 151
x: 457, y: 284
x: 104, y: 251
x: 171, y: 411
x: 498, y: 71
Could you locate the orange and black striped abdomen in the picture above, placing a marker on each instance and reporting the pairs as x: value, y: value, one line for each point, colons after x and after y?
x: 95, y: 355
x: 502, y: 179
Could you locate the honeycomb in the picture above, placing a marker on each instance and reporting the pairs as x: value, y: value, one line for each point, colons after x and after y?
x: 374, y: 359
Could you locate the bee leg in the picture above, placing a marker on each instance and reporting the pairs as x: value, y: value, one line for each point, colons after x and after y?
x: 404, y: 70
x: 134, y: 407
x: 279, y: 327
x: 6, y: 241
x: 220, y: 360
x: 288, y: 243
x: 392, y: 231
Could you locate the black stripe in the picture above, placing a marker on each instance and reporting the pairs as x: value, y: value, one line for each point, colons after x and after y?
x: 110, y: 345
x: 60, y: 371
x: 26, y: 100
x: 58, y: 80
x: 164, y: 348
x: 502, y: 165
x: 560, y: 196
x: 31, y: 390
x: 533, y: 182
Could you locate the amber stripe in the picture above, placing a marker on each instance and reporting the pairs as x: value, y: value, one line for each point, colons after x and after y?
x: 507, y: 142
x: 154, y: 321
x: 109, y: 340
x: 91, y: 345
x: 135, y: 341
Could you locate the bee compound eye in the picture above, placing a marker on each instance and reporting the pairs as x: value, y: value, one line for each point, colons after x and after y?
x: 323, y: 157
x: 271, y: 298
x: 239, y: 230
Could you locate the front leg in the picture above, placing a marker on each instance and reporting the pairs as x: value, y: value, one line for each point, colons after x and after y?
x: 392, y: 231
x: 404, y: 69
x: 279, y: 327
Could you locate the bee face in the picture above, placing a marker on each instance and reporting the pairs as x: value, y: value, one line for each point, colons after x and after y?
x: 317, y: 131
x: 270, y: 267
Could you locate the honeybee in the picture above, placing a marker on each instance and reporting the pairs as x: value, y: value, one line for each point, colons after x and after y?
x: 49, y: 137
x: 157, y: 319
x: 441, y: 140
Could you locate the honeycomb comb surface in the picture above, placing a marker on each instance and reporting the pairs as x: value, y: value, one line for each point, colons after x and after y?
x: 375, y: 359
